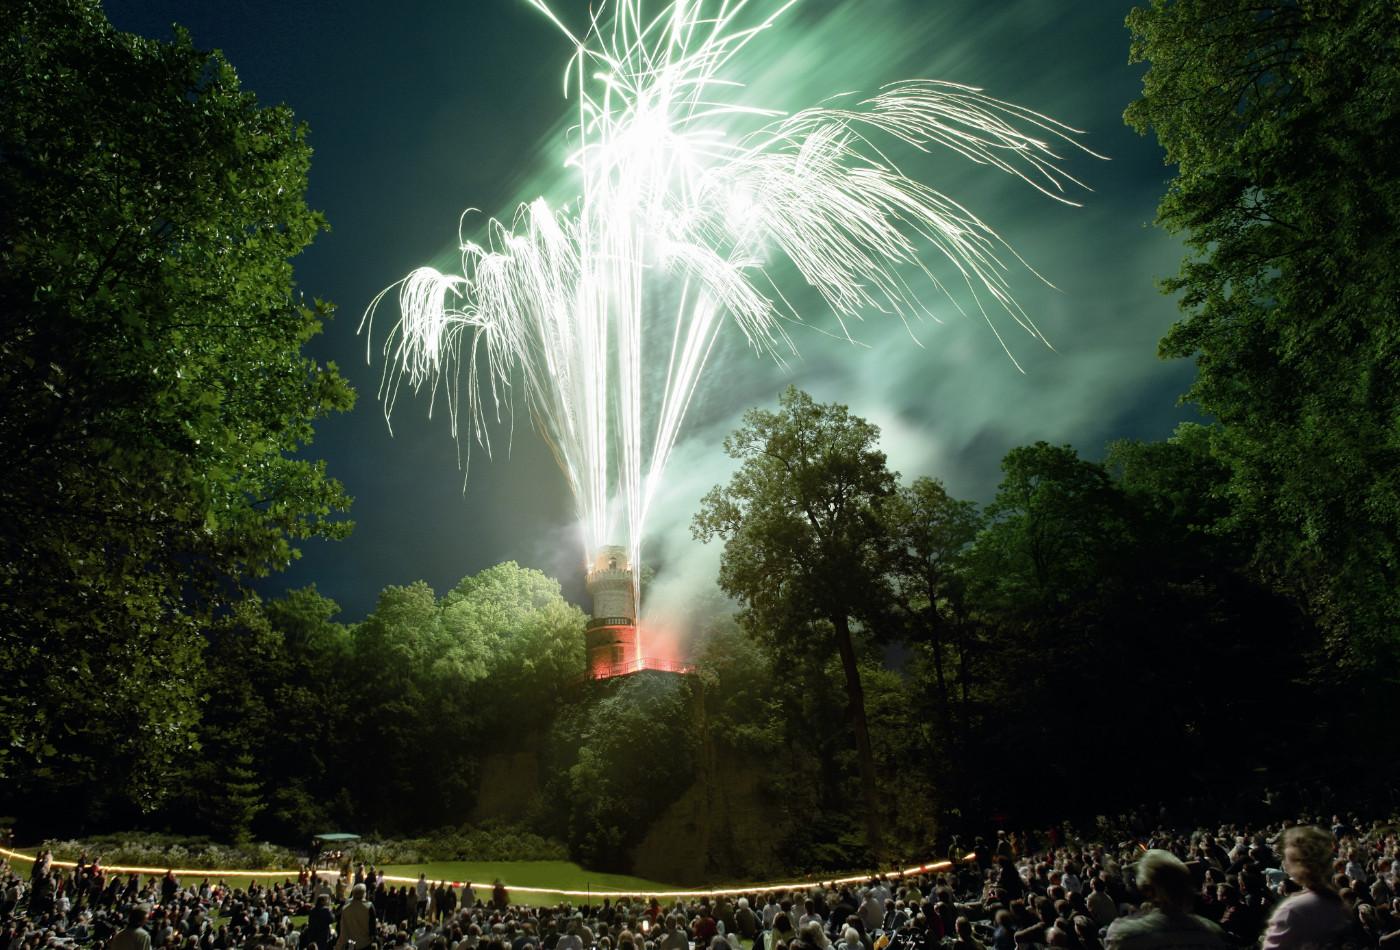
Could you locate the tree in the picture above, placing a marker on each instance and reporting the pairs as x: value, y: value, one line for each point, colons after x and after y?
x: 1282, y: 120
x: 931, y: 533
x: 1055, y: 523
x: 435, y: 684
x: 528, y: 640
x: 634, y: 743
x: 156, y: 395
x: 803, y: 541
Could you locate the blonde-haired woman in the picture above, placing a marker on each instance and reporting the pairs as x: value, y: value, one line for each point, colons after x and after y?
x: 1315, y: 916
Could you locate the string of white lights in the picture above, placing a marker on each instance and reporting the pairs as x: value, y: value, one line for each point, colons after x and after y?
x: 525, y: 889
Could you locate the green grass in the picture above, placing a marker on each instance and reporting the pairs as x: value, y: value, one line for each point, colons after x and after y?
x: 564, y: 874
x: 483, y: 874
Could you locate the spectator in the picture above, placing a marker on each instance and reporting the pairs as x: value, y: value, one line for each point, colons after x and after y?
x: 318, y: 924
x: 965, y: 940
x: 1166, y: 885
x: 357, y: 921
x: 745, y: 920
x: 1101, y: 907
x: 133, y: 936
x: 1315, y: 916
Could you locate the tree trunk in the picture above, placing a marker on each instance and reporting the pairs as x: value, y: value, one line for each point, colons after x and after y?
x: 945, y: 717
x: 856, y: 696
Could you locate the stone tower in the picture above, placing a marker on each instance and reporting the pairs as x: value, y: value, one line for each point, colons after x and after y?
x: 614, y: 643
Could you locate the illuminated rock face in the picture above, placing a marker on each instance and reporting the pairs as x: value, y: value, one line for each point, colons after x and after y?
x: 614, y: 642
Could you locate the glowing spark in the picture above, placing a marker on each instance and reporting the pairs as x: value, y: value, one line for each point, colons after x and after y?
x: 560, y: 300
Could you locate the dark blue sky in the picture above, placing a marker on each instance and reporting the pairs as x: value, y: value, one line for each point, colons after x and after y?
x: 419, y: 110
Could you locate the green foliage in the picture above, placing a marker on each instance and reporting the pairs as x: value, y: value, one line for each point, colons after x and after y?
x: 173, y: 851
x: 931, y: 534
x: 488, y: 841
x: 799, y: 519
x: 804, y: 543
x: 1283, y: 122
x: 492, y: 841
x: 1115, y: 606
x: 634, y: 745
x: 1054, y: 526
x: 268, y: 664
x: 156, y: 393
x: 742, y: 701
x: 517, y: 624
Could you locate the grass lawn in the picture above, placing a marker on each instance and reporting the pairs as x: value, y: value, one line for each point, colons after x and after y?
x: 483, y: 874
x: 564, y: 874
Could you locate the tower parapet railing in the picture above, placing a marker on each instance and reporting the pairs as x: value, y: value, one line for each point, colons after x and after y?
x: 664, y: 664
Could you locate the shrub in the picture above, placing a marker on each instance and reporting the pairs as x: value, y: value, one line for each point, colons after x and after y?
x: 141, y: 849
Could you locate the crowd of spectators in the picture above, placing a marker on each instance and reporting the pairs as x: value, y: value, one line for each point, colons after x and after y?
x: 1288, y: 885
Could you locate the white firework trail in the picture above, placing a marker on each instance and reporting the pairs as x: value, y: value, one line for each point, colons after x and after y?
x: 556, y: 302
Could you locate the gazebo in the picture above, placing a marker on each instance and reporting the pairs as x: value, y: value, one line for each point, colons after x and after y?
x: 335, y: 840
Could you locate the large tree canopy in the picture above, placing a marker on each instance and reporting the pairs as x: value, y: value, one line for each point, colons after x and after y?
x: 155, y: 390
x: 1283, y: 121
x: 804, y: 541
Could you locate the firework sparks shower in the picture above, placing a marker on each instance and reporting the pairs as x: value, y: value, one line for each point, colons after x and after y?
x: 687, y: 196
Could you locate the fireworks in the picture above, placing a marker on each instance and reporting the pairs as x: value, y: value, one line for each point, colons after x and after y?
x: 679, y: 213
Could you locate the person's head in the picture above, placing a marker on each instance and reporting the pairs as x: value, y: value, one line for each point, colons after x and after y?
x: 1085, y: 928
x: 1307, y: 855
x: 136, y: 916
x: 963, y: 928
x: 1164, y: 880
x: 357, y: 892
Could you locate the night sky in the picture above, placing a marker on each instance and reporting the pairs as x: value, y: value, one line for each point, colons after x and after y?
x: 419, y: 110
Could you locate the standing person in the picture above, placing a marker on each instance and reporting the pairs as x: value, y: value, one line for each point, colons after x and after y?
x: 1315, y: 916
x: 357, y: 921
x: 318, y: 925
x: 1167, y: 921
x: 133, y: 936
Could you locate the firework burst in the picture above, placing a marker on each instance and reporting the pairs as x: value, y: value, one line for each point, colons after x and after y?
x: 677, y: 218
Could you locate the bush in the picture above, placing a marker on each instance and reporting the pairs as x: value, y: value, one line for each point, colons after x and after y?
x: 489, y: 841
x: 494, y: 841
x: 174, y: 851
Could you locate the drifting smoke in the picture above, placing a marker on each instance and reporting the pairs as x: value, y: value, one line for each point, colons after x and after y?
x: 602, y: 313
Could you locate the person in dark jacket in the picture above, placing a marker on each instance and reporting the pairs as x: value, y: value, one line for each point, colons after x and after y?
x: 318, y: 925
